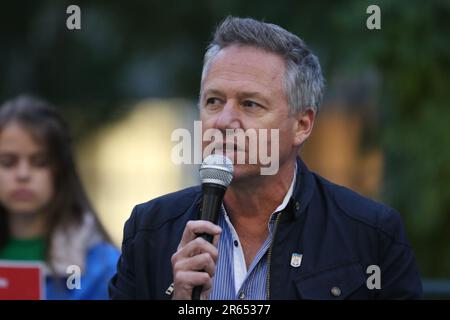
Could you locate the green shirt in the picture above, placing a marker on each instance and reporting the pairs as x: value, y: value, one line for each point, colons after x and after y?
x: 24, y: 249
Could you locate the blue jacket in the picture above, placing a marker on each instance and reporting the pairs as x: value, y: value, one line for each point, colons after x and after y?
x: 338, y: 232
x: 101, y: 263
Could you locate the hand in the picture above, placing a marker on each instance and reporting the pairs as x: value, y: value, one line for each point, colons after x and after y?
x: 194, y: 263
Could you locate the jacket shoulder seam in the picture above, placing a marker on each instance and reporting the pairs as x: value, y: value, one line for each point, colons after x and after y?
x: 148, y: 207
x: 377, y: 225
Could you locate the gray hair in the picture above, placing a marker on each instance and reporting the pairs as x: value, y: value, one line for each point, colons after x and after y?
x: 303, y: 81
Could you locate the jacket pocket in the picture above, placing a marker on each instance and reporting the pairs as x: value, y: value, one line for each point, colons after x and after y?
x: 332, y: 284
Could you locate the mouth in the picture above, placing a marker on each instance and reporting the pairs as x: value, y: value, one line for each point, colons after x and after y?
x: 231, y: 147
x: 22, y: 195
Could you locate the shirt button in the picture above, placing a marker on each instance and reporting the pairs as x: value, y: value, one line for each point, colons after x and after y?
x: 335, y: 291
x: 242, y: 295
x: 297, y: 206
x: 236, y: 243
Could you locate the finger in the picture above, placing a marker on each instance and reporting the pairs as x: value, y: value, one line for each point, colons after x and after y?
x: 202, y: 262
x: 185, y: 281
x: 216, y: 240
x: 195, y: 227
x: 196, y: 247
x: 199, y: 246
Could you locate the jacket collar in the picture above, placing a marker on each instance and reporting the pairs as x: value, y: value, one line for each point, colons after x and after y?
x: 301, y: 196
x: 303, y: 189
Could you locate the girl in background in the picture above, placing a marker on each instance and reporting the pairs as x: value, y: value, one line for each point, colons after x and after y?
x: 45, y: 214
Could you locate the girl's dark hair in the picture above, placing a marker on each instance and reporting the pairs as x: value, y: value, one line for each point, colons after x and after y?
x: 70, y: 201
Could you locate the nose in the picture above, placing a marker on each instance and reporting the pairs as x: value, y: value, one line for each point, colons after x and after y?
x: 23, y: 171
x: 229, y: 117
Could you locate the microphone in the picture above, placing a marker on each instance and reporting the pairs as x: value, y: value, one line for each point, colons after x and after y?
x: 216, y: 173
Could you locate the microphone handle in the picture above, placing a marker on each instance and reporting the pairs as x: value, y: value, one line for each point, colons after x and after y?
x: 212, y: 200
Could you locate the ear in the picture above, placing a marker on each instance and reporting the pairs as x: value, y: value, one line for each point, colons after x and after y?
x: 304, y: 122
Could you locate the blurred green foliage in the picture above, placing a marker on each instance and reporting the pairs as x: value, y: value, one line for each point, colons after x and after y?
x: 412, y: 55
x: 131, y: 50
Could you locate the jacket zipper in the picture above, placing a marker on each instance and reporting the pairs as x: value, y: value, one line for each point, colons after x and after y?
x: 269, y: 256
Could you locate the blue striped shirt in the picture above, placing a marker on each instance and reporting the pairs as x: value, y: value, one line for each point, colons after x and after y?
x: 231, y: 280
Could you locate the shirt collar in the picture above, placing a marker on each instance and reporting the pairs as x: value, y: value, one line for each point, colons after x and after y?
x: 302, y: 193
x: 289, y: 193
x: 285, y: 201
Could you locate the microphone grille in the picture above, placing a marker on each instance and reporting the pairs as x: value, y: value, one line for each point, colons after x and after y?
x: 217, y: 169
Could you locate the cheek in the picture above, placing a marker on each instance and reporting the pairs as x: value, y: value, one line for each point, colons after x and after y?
x: 44, y: 183
x: 207, y: 121
x: 206, y: 139
x: 285, y: 134
x: 286, y: 137
x: 204, y: 115
x: 6, y: 184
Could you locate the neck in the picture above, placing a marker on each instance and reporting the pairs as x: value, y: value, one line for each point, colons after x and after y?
x: 250, y: 203
x: 257, y: 198
x: 27, y: 226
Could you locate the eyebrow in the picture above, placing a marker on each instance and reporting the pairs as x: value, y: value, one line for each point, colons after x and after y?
x: 14, y: 153
x: 240, y: 95
x: 257, y: 95
x: 213, y: 92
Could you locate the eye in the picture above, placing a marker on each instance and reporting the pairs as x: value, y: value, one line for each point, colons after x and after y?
x: 251, y: 104
x: 40, y: 161
x: 213, y: 103
x: 7, y: 161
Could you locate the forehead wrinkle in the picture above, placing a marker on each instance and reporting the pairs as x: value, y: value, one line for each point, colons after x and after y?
x: 235, y: 82
x: 247, y: 69
x: 236, y: 69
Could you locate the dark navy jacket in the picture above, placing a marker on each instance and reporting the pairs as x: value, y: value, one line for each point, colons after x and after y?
x: 338, y: 232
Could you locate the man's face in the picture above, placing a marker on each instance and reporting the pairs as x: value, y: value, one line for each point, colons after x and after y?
x: 243, y: 89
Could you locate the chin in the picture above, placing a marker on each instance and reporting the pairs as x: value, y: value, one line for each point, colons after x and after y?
x: 245, y: 171
x: 24, y: 209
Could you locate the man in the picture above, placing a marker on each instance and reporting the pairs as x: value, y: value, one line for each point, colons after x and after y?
x: 291, y: 235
